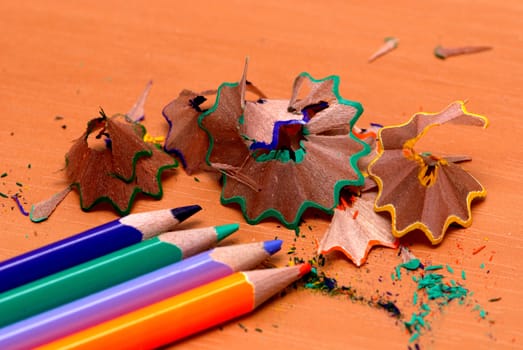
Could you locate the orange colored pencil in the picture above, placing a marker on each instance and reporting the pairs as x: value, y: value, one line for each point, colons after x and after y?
x: 180, y: 316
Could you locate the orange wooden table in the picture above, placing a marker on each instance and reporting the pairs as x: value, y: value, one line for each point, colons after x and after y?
x: 66, y: 59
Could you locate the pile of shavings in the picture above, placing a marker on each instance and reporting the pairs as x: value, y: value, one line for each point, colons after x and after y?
x: 436, y: 287
x: 279, y: 158
x: 112, y: 161
x: 421, y: 192
x: 434, y: 291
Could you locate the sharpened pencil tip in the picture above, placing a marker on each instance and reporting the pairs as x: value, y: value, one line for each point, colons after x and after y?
x: 183, y: 213
x: 272, y: 246
x: 305, y: 269
x: 224, y: 231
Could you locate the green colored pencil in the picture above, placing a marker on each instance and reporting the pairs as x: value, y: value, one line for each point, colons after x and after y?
x: 107, y: 271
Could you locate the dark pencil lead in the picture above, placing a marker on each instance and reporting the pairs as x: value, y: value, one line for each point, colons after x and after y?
x: 183, y: 213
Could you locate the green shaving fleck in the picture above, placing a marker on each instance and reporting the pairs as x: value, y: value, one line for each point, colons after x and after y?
x: 414, y: 337
x: 392, y: 276
x: 413, y: 264
x: 415, y: 298
x: 482, y: 312
x: 449, y: 269
x: 433, y: 267
x: 482, y: 266
x: 463, y: 275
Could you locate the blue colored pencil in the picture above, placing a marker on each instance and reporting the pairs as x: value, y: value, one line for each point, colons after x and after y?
x: 134, y: 294
x: 89, y: 245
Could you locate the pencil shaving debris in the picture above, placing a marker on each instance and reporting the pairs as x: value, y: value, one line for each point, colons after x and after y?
x: 355, y: 228
x: 435, y: 291
x: 428, y: 178
x: 295, y: 141
x: 444, y: 52
x: 390, y: 44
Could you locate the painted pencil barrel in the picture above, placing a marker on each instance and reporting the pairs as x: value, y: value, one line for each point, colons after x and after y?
x: 168, y: 320
x: 84, y: 279
x: 106, y: 271
x: 134, y: 294
x: 194, y: 311
x: 90, y: 244
x: 179, y: 316
x: 66, y: 253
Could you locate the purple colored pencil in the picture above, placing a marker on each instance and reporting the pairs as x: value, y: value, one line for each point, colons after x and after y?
x: 136, y: 293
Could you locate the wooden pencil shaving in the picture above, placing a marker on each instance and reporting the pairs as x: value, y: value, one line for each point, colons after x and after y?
x: 445, y: 52
x: 390, y: 44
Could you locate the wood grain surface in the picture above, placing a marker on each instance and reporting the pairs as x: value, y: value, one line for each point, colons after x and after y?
x: 68, y: 58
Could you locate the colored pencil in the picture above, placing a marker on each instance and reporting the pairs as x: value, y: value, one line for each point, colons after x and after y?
x: 134, y: 294
x: 89, y: 245
x: 180, y: 316
x: 106, y: 271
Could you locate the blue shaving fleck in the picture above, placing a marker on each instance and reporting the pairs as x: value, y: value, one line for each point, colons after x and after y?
x: 20, y: 206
